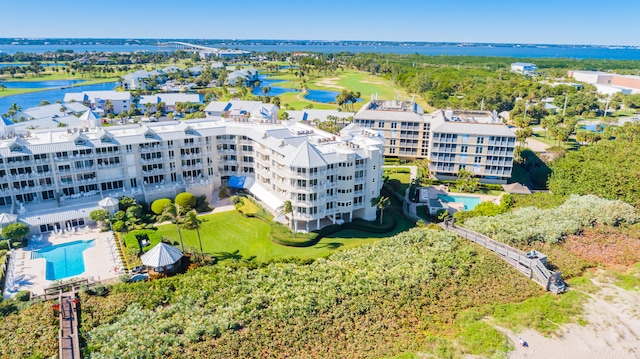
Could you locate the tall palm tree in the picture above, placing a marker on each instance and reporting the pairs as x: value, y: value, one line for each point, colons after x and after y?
x: 285, y: 209
x: 191, y: 221
x: 173, y: 213
x: 381, y: 202
x: 423, y: 165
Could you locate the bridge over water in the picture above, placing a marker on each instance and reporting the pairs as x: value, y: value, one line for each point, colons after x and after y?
x: 189, y: 47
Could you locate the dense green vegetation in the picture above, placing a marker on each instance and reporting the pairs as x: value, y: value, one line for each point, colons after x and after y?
x: 608, y: 169
x: 375, y: 300
x: 531, y: 224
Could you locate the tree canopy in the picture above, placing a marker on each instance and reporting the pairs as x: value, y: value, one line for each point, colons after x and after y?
x: 608, y: 168
x: 15, y: 231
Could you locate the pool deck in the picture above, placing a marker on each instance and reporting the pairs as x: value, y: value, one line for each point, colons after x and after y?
x: 30, y: 274
x: 435, y: 204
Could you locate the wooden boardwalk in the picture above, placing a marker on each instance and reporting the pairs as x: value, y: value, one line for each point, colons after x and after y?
x: 69, y: 341
x: 532, y: 264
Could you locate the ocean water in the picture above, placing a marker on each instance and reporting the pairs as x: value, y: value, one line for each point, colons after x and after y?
x: 502, y: 50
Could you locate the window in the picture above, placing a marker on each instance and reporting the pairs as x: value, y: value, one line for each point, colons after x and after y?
x: 392, y: 142
x: 480, y: 140
x: 478, y: 149
x: 477, y: 159
x: 464, y: 148
x: 381, y: 124
x: 394, y: 125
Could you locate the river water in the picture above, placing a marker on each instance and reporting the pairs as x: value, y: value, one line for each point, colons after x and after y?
x: 33, y: 99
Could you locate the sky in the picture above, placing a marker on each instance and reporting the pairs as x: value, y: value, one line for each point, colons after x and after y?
x: 592, y: 22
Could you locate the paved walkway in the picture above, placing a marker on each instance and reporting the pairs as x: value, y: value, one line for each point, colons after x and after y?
x: 224, y: 209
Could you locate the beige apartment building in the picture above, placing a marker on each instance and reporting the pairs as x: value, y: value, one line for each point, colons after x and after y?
x: 476, y: 141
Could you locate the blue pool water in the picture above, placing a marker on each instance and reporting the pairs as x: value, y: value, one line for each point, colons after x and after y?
x: 64, y: 260
x: 469, y: 202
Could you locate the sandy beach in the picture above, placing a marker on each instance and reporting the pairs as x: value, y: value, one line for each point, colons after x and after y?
x: 613, y: 330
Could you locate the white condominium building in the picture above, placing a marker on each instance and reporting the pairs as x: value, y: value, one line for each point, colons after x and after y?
x: 472, y: 140
x: 451, y: 140
x: 55, y: 178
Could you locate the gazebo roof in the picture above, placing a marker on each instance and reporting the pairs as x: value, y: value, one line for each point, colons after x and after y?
x: 161, y: 255
x: 7, y: 218
x: 516, y: 188
x: 109, y: 201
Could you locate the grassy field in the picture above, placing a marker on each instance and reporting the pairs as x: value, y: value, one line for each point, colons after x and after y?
x: 349, y: 80
x: 230, y: 235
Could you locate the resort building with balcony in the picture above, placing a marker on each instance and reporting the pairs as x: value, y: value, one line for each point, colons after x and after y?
x: 451, y: 140
x: 55, y: 178
x: 476, y: 141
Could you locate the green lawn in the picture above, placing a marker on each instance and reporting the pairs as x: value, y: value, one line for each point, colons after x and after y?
x: 231, y: 235
x: 350, y: 80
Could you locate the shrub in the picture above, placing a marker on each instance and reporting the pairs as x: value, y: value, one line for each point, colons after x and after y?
x: 15, y: 231
x: 3, y: 252
x: 186, y: 201
x: 531, y: 224
x: 99, y: 215
x: 397, y: 170
x: 4, y: 244
x: 159, y: 205
x: 247, y: 208
x: 202, y: 205
x: 282, y: 235
x: 23, y: 296
x: 131, y: 238
x: 223, y: 193
x: 119, y: 226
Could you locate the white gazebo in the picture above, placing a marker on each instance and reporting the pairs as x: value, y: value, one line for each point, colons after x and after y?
x: 110, y: 204
x: 162, y: 258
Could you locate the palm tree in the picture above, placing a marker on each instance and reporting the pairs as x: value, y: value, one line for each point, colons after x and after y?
x: 285, y: 209
x: 381, y: 202
x: 191, y: 221
x: 172, y: 213
x: 423, y: 165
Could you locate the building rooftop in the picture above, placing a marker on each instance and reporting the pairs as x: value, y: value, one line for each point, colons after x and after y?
x: 467, y: 121
x: 390, y: 110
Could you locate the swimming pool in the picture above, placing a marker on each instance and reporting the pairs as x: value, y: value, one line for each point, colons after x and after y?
x: 64, y: 260
x: 468, y: 202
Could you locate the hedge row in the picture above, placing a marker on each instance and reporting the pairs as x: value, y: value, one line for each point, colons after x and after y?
x: 131, y: 238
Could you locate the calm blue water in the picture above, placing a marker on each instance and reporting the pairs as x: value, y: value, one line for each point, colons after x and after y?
x: 36, y: 84
x: 469, y: 202
x: 434, y: 49
x: 9, y: 64
x: 40, y: 49
x: 323, y: 96
x: 64, y: 260
x: 591, y: 128
x: 33, y: 99
x: 275, y: 90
